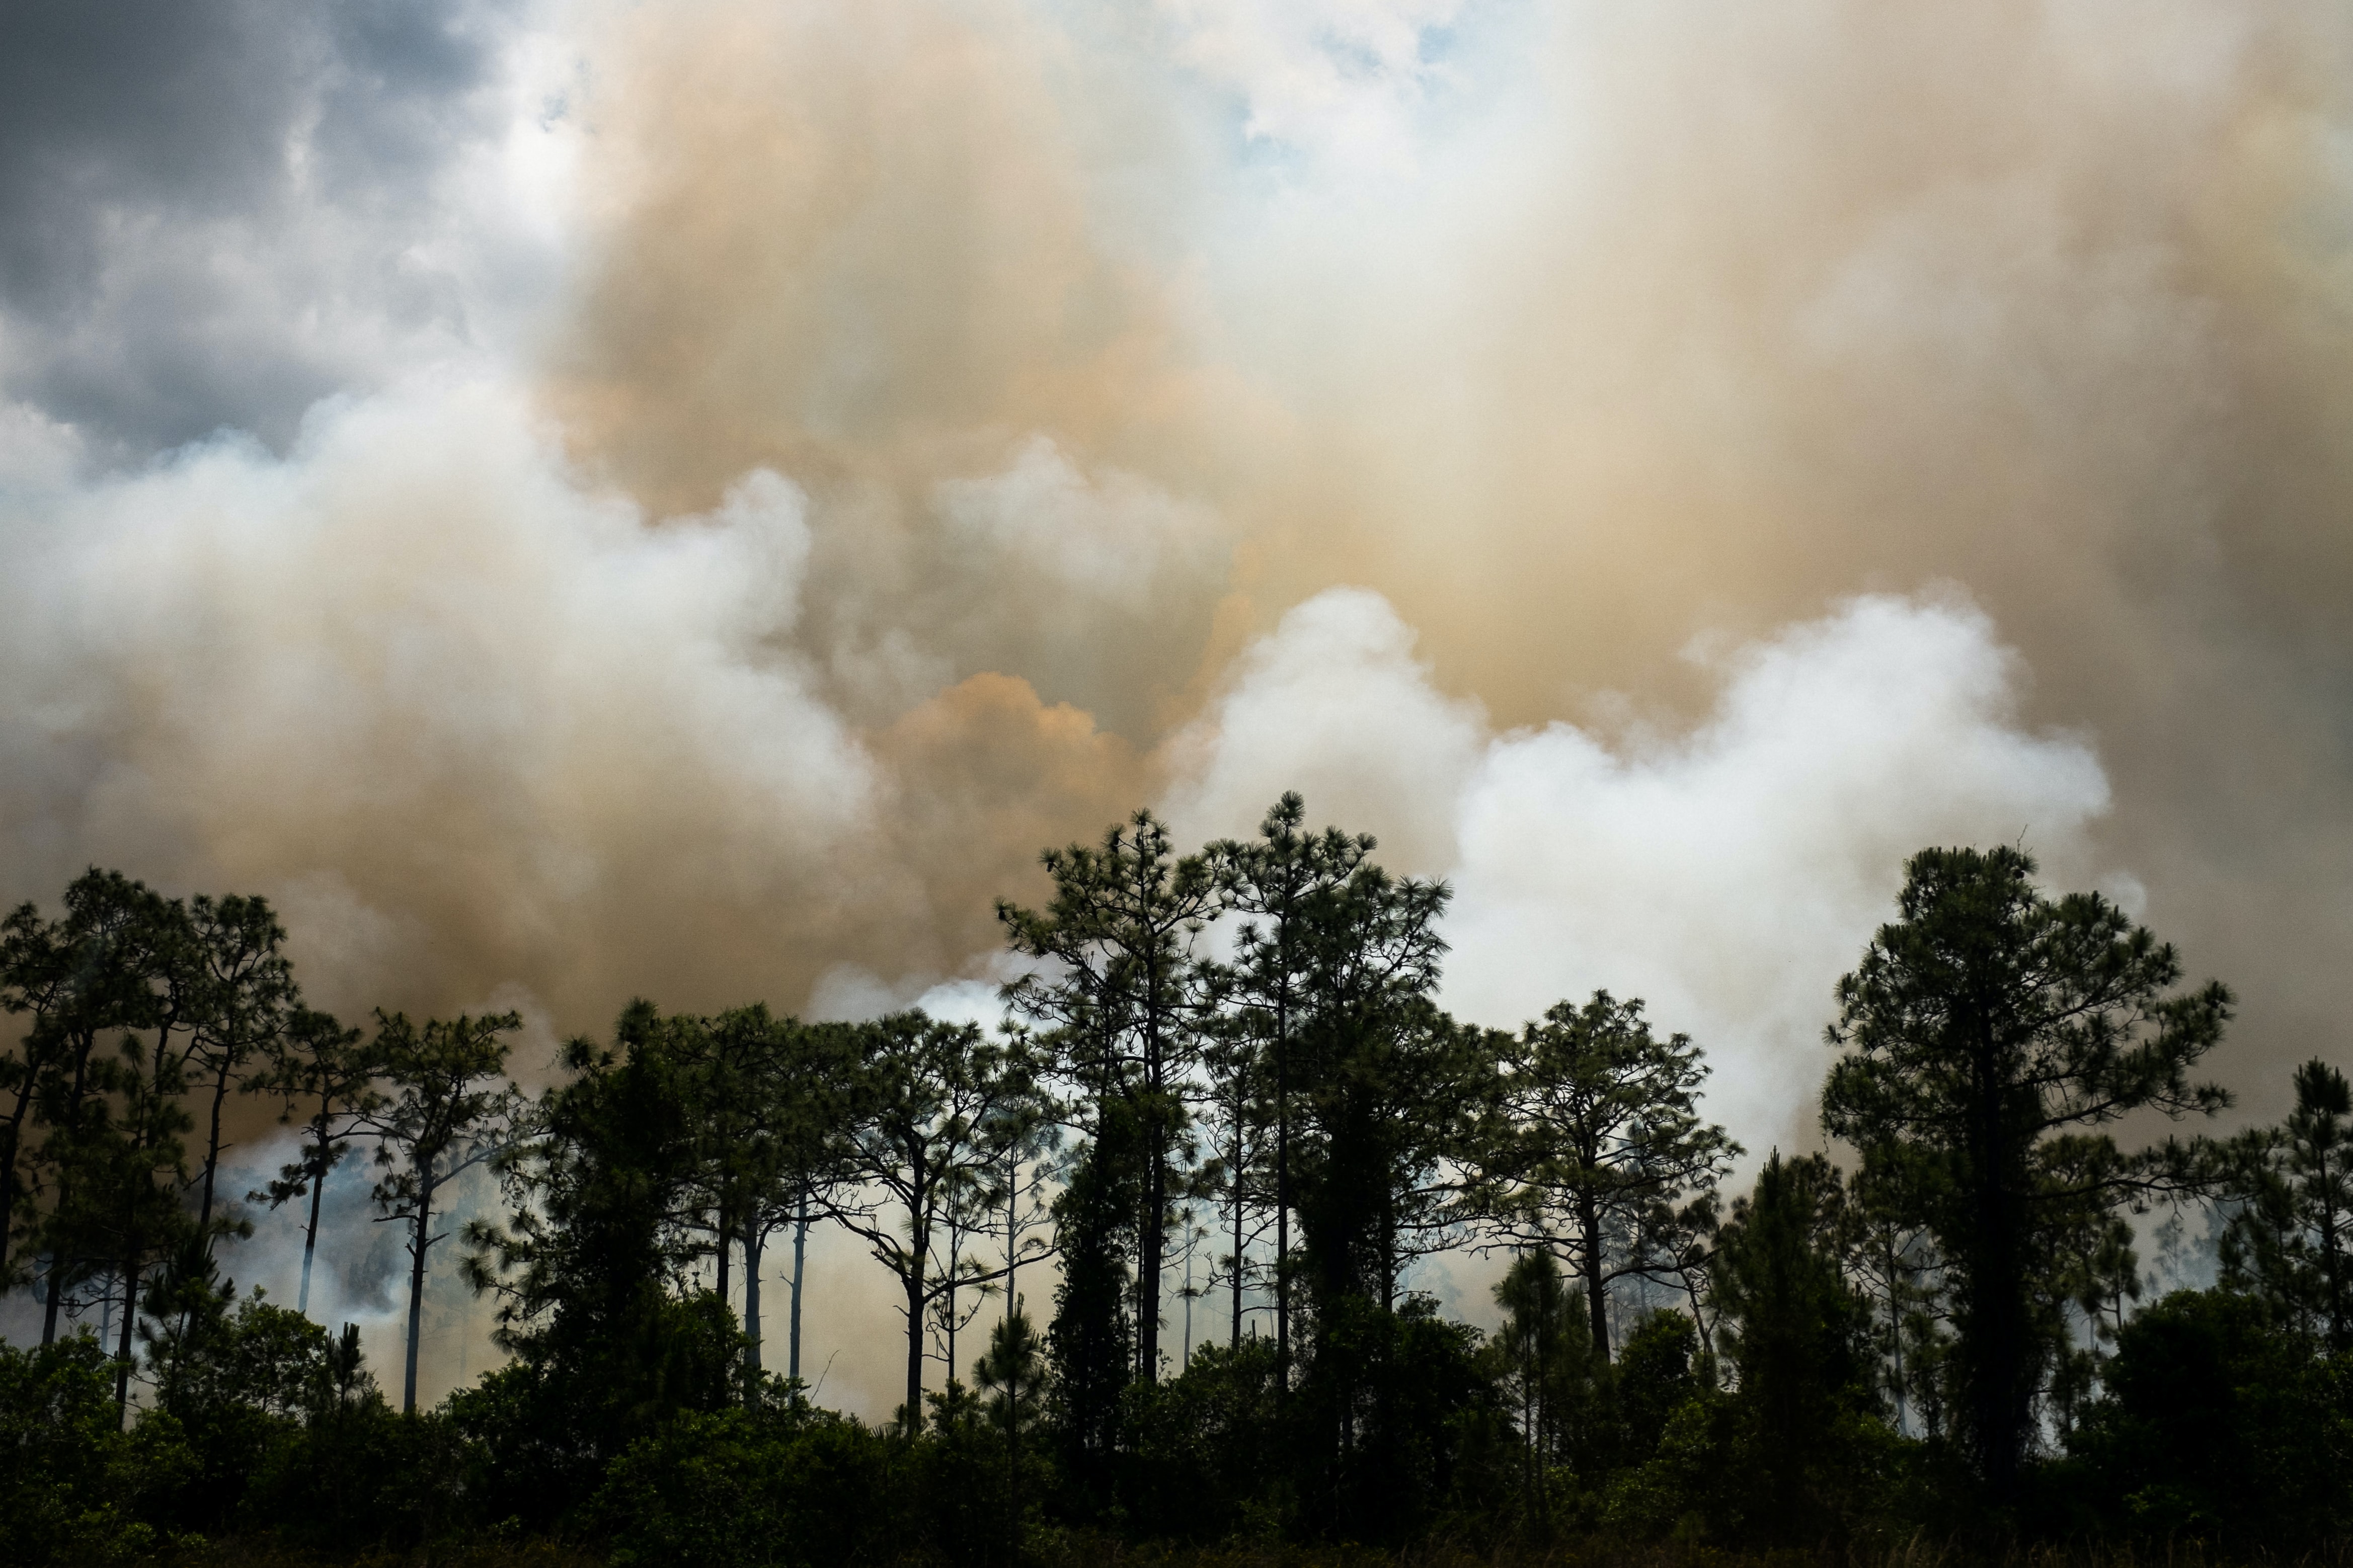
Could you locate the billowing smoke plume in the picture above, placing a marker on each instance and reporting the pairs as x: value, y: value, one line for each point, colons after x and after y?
x: 686, y: 500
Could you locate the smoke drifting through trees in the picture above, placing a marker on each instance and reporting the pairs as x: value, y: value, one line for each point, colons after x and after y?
x: 1572, y: 335
x: 1988, y: 1039
x: 1614, y: 339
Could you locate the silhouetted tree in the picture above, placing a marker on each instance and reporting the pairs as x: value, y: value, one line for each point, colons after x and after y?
x: 113, y: 966
x: 2287, y: 1238
x: 114, y: 1155
x: 451, y: 1108
x: 1795, y: 1333
x: 593, y: 1268
x: 1602, y: 1151
x: 1091, y: 1340
x: 1889, y: 1253
x: 1011, y: 1380
x: 1541, y: 1355
x: 1240, y: 1176
x: 1989, y: 1029
x: 773, y: 1118
x: 927, y: 1092
x: 1275, y: 882
x: 1390, y: 1089
x: 120, y: 1198
x: 1123, y: 1009
x: 248, y: 1001
x: 323, y: 1071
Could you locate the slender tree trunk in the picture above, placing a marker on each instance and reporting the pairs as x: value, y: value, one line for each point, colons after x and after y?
x: 1012, y: 1441
x: 311, y: 1231
x: 1388, y: 1252
x: 800, y: 1257
x: 122, y: 1349
x: 419, y: 1242
x: 1241, y: 1108
x: 919, y: 1251
x: 913, y: 1281
x: 724, y: 1237
x: 1155, y: 1206
x: 1596, y: 1292
x: 212, y: 1162
x: 1895, y: 1330
x: 50, y: 1297
x: 1282, y: 1169
x: 955, y: 1260
x: 755, y: 1234
x: 2329, y: 1253
x: 1997, y: 1305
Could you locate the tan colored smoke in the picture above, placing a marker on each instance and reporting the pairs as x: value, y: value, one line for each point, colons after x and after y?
x: 966, y: 408
x: 1667, y: 322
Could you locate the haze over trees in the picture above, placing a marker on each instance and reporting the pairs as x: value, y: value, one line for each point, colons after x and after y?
x: 1936, y: 1327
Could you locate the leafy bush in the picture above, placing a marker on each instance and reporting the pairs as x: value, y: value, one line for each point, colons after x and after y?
x: 2217, y: 1422
x: 1203, y: 1449
x: 69, y: 1478
x: 741, y: 1489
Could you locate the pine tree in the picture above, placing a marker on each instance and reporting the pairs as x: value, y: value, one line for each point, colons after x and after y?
x: 1543, y: 1358
x: 2287, y: 1238
x: 1795, y: 1334
x: 328, y: 1077
x: 1274, y: 883
x: 1989, y: 1032
x: 1124, y: 1012
x: 1601, y: 1153
x: 249, y: 1002
x: 927, y: 1092
x: 451, y: 1108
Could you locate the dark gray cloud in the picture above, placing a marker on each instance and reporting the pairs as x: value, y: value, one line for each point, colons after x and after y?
x: 207, y: 213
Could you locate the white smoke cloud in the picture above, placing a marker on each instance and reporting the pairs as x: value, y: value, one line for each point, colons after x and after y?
x: 415, y: 659
x: 1114, y: 539
x: 1728, y: 874
x: 1334, y: 704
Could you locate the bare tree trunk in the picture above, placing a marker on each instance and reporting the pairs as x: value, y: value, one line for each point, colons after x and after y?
x: 1156, y: 1221
x: 1239, y: 1105
x: 955, y: 1260
x: 913, y: 1281
x: 1282, y: 1172
x: 419, y: 1242
x: 311, y: 1232
x: 212, y: 1163
x: 800, y: 1255
x: 1895, y: 1330
x: 122, y: 1350
x: 1596, y: 1293
x: 723, y: 1237
x: 915, y: 1276
x: 755, y: 1236
x: 50, y: 1295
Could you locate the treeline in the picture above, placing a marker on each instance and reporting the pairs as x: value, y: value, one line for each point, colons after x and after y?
x: 1226, y: 1096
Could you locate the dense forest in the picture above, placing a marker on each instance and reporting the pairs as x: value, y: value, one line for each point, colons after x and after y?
x: 1225, y: 1087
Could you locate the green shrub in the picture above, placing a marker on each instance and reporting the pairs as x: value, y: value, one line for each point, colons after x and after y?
x: 739, y: 1490
x: 69, y: 1476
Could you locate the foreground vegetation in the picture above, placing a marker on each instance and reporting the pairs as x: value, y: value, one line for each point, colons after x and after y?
x: 1937, y: 1353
